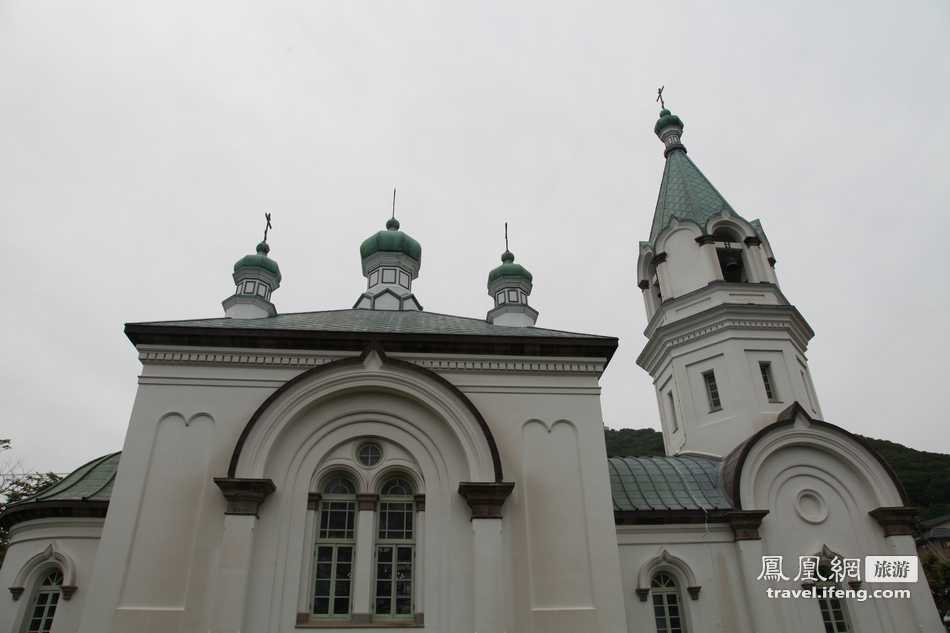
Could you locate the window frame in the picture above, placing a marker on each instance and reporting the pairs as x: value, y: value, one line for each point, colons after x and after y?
x: 336, y: 544
x: 768, y: 381
x: 395, y: 545
x: 713, y: 397
x: 665, y: 597
x: 673, y: 417
x: 54, y: 599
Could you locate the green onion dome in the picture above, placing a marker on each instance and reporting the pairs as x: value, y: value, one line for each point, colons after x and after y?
x: 666, y: 120
x: 392, y: 240
x: 260, y: 260
x: 509, y: 268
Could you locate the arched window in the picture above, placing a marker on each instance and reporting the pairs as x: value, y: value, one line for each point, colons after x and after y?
x: 333, y: 577
x: 395, y: 549
x: 832, y: 610
x: 667, y: 604
x: 729, y: 252
x: 43, y: 609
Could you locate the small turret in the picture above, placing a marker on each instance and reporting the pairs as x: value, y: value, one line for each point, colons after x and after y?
x: 256, y: 277
x: 510, y: 286
x: 391, y: 261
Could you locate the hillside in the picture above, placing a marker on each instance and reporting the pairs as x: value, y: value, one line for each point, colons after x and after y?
x: 925, y: 476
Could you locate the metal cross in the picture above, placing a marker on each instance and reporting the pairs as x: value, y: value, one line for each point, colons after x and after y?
x: 506, y: 236
x: 268, y: 227
x: 659, y: 97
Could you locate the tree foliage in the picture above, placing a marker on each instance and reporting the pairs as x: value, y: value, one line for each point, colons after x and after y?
x: 16, y: 486
x: 937, y: 571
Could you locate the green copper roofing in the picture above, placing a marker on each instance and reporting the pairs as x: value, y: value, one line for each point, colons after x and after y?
x: 392, y: 240
x: 666, y: 119
x: 685, y: 193
x: 90, y: 482
x: 408, y: 322
x: 683, y: 482
x: 509, y: 268
x: 260, y: 260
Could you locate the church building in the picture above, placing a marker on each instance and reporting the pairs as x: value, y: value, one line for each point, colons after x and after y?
x: 381, y: 467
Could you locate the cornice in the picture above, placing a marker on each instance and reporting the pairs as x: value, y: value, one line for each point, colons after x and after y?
x: 503, y: 364
x: 164, y: 355
x: 724, y: 317
x: 224, y: 357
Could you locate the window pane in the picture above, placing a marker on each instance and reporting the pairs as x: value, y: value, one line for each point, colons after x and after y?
x: 341, y: 605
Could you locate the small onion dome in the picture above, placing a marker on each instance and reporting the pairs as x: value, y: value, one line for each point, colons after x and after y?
x: 392, y: 240
x: 666, y: 119
x: 509, y: 268
x: 260, y: 260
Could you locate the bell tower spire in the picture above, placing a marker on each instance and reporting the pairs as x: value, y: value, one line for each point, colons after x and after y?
x: 725, y: 348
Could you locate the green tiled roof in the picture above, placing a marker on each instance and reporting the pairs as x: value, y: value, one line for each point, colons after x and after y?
x: 374, y: 322
x: 391, y: 240
x: 509, y: 268
x: 683, y: 482
x: 89, y: 482
x: 260, y: 260
x: 686, y: 194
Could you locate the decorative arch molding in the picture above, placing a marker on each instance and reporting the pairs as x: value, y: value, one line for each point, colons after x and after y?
x: 398, y: 469
x: 49, y: 557
x: 795, y: 427
x: 732, y: 222
x: 665, y: 561
x: 372, y: 370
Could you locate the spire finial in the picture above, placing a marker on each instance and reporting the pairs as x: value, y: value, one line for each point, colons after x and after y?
x: 392, y: 223
x: 507, y: 257
x: 268, y: 226
x: 659, y: 97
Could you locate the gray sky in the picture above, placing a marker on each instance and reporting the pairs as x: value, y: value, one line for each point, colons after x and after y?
x: 142, y: 142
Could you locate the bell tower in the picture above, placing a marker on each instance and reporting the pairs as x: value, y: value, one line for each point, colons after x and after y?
x: 726, y: 349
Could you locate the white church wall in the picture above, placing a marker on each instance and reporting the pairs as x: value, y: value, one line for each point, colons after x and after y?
x: 734, y: 359
x: 549, y: 430
x: 167, y: 516
x: 687, y: 266
x: 709, y: 552
x: 35, y: 548
x: 185, y: 421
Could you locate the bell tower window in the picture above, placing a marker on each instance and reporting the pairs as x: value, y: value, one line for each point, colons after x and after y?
x: 729, y: 252
x: 731, y: 265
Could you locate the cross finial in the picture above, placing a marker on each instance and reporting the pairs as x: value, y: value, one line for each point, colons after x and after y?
x: 659, y: 97
x: 506, y: 236
x: 268, y: 227
x: 394, y: 202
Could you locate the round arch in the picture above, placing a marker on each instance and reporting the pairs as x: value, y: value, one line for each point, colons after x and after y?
x: 665, y: 561
x: 371, y: 371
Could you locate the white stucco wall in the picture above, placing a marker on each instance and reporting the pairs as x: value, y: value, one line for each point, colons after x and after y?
x: 164, y: 543
x: 72, y: 543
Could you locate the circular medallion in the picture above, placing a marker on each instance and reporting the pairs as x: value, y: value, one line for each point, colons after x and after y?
x: 811, y: 507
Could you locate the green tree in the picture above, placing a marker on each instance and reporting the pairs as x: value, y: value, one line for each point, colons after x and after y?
x: 938, y: 575
x: 16, y: 486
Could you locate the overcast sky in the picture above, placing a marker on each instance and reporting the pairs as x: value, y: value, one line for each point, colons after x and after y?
x: 141, y: 143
